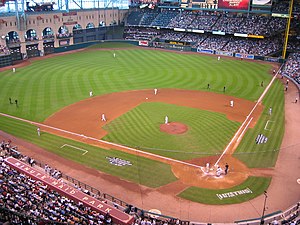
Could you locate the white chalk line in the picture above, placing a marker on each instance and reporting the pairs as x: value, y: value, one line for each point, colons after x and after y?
x: 269, y: 121
x: 238, y: 131
x: 246, y: 127
x: 101, y: 141
x: 80, y: 149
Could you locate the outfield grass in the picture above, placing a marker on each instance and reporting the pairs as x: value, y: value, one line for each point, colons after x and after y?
x: 257, y: 185
x: 208, y: 132
x: 48, y: 85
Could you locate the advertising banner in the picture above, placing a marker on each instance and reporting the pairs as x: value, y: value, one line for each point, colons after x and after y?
x: 143, y: 43
x: 224, y: 53
x: 208, y: 51
x: 233, y: 4
x: 244, y: 56
x: 261, y: 2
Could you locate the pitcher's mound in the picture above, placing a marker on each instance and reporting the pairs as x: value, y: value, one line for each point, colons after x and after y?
x: 174, y: 128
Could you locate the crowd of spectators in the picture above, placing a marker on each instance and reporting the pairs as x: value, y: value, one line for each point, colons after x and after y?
x: 48, y: 36
x: 32, y: 198
x: 148, y: 18
x: 183, y: 19
x: 292, y: 67
x: 35, y: 202
x: 229, y: 23
x: 214, y: 42
x: 13, y: 41
x: 33, y: 38
x: 132, y: 33
x: 255, y: 46
x: 164, y: 18
x: 63, y: 35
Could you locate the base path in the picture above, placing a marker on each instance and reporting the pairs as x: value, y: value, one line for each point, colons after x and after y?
x: 84, y: 117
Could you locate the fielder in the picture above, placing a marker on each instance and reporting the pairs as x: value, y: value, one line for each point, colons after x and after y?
x: 103, y: 118
x: 38, y: 131
x: 114, y: 55
x: 270, y: 111
x: 91, y: 94
x: 219, y: 58
x: 231, y: 103
x: 14, y: 70
x: 166, y: 120
x: 155, y: 91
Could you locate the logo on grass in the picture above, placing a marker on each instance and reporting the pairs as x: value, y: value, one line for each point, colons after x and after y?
x: 261, y: 139
x: 118, y: 162
x: 234, y: 193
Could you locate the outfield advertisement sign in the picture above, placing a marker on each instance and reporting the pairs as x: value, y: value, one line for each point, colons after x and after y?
x: 271, y: 59
x: 208, y: 51
x: 224, y: 53
x: 233, y: 4
x: 144, y: 43
x: 244, y: 56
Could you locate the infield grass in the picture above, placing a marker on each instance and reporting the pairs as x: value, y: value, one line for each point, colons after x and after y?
x: 207, y: 134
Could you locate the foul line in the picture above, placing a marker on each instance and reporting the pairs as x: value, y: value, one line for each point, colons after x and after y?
x: 85, y: 151
x: 101, y: 141
x: 239, y: 130
x: 246, y: 127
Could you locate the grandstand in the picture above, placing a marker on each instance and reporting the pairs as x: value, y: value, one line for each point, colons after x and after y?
x: 31, y: 31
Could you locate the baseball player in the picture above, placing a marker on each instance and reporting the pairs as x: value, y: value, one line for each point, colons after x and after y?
x: 14, y: 70
x: 155, y: 91
x: 231, y: 103
x: 91, y: 93
x: 38, y: 131
x: 166, y: 119
x: 103, y: 118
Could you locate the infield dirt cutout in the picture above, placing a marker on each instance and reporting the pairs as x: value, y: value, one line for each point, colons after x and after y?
x: 84, y: 117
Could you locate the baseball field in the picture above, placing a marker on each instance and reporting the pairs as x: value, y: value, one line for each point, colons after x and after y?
x: 134, y: 143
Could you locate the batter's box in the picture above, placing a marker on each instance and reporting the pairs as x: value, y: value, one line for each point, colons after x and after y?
x: 267, y: 124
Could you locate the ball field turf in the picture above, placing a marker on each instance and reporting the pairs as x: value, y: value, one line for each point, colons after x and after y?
x: 46, y: 86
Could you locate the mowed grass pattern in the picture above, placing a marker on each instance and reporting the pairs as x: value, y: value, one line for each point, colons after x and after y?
x: 142, y: 171
x: 272, y: 126
x: 48, y: 85
x: 207, y: 134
